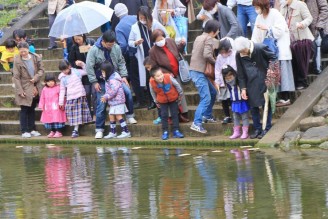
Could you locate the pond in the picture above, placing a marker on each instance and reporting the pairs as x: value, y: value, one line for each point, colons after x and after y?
x: 122, y: 182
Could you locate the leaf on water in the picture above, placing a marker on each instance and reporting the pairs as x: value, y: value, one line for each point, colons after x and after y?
x: 182, y: 155
x: 19, y: 146
x: 136, y: 148
x: 245, y: 146
x: 50, y: 145
x: 217, y: 151
x: 253, y: 149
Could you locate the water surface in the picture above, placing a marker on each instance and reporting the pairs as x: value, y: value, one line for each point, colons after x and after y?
x: 120, y: 182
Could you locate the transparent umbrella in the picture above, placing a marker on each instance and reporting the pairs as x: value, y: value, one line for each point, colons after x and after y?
x: 80, y: 18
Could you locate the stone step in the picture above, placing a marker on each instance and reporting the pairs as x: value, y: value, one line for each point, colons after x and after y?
x: 43, y: 32
x: 6, y: 89
x: 8, y: 102
x: 51, y: 64
x: 39, y: 22
x: 142, y: 129
x: 50, y: 54
x: 192, y: 34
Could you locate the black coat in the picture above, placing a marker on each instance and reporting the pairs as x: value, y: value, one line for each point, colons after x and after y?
x: 251, y: 73
x: 75, y: 55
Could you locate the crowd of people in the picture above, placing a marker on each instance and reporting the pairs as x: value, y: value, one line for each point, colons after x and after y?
x: 142, y: 49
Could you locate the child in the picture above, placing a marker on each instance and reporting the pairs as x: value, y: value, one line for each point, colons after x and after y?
x: 204, y: 16
x: 19, y: 35
x: 166, y: 92
x: 116, y: 100
x: 7, y: 54
x: 52, y: 116
x: 149, y: 64
x: 226, y: 57
x: 76, y: 108
x: 238, y: 105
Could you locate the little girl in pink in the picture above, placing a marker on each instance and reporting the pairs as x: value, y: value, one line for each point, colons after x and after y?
x: 52, y: 116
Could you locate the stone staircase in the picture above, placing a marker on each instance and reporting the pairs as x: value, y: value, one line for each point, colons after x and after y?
x: 38, y: 30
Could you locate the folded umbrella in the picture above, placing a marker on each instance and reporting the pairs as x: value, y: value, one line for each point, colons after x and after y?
x: 80, y: 18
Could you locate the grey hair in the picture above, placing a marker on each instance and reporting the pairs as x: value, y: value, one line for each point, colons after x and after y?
x: 242, y: 43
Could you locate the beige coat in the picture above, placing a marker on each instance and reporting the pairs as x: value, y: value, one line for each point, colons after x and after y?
x: 202, y: 52
x: 319, y: 12
x: 55, y: 6
x: 22, y: 79
x: 298, y: 13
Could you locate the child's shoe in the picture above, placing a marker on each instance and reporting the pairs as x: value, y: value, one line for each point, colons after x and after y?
x: 58, y: 135
x: 177, y: 134
x: 35, y: 133
x: 75, y: 134
x: 26, y: 135
x: 165, y: 135
x: 111, y: 135
x: 124, y: 135
x: 245, y: 132
x: 157, y: 121
x: 51, y: 134
x: 236, y: 132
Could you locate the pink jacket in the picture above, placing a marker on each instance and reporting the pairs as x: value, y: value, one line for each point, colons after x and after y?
x: 114, y: 90
x: 72, y: 84
x: 49, y: 104
x: 222, y: 61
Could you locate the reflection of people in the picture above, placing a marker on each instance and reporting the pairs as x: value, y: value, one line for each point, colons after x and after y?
x: 28, y: 69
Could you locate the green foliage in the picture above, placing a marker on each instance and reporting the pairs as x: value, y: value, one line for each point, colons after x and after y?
x: 227, y: 132
x: 8, y: 104
x: 6, y: 17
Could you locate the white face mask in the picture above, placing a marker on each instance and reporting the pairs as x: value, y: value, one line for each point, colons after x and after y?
x: 160, y: 43
x: 143, y: 22
x: 258, y: 11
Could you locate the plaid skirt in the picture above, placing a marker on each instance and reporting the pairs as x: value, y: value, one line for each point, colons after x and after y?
x: 54, y: 125
x: 77, y: 111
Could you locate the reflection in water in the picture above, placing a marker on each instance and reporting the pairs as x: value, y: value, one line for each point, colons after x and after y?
x: 117, y: 182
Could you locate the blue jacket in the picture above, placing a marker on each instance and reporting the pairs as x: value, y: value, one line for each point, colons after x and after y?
x: 123, y: 30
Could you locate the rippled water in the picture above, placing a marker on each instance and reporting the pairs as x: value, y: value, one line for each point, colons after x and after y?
x: 109, y: 182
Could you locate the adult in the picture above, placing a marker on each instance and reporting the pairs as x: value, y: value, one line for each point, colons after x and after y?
x: 104, y: 49
x: 270, y: 19
x: 19, y: 35
x: 54, y: 7
x: 298, y: 19
x: 229, y: 25
x: 79, y: 52
x: 140, y: 38
x: 132, y: 6
x: 161, y: 7
x: 202, y: 53
x: 27, y: 71
x: 245, y: 13
x: 122, y: 31
x: 165, y: 53
x: 319, y: 25
x: 106, y: 26
x: 252, y: 64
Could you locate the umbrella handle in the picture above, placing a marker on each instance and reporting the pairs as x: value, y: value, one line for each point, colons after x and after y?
x: 265, y: 111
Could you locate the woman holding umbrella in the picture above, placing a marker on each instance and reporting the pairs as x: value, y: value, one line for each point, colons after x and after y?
x: 298, y: 18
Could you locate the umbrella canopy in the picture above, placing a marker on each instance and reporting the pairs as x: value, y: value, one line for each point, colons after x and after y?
x: 80, y: 18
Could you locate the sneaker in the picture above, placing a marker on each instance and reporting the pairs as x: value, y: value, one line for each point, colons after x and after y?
x: 300, y: 87
x: 51, y: 134
x: 58, y: 135
x: 124, y: 135
x: 35, y: 133
x: 198, y: 128
x: 26, y: 135
x: 99, y: 135
x: 210, y: 120
x: 75, y: 134
x: 131, y: 121
x: 282, y: 103
x: 227, y: 120
x: 177, y: 134
x: 110, y: 135
x: 165, y: 135
x: 157, y: 121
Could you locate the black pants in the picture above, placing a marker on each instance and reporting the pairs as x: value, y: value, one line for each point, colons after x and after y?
x: 27, y: 117
x: 225, y: 106
x: 134, y: 78
x: 174, y: 115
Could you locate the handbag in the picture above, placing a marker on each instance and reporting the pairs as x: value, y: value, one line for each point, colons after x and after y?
x: 209, y: 71
x: 271, y: 42
x: 184, y: 70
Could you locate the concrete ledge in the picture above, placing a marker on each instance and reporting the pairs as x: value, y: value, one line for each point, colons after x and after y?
x: 148, y: 141
x: 24, y: 20
x: 300, y: 109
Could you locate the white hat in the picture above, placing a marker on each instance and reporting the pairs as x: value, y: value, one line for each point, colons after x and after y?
x: 120, y: 10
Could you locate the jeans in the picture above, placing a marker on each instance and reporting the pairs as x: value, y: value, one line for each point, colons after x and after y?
x: 255, y: 111
x: 207, y: 94
x: 27, y: 117
x: 245, y: 14
x: 174, y: 109
x: 101, y: 107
